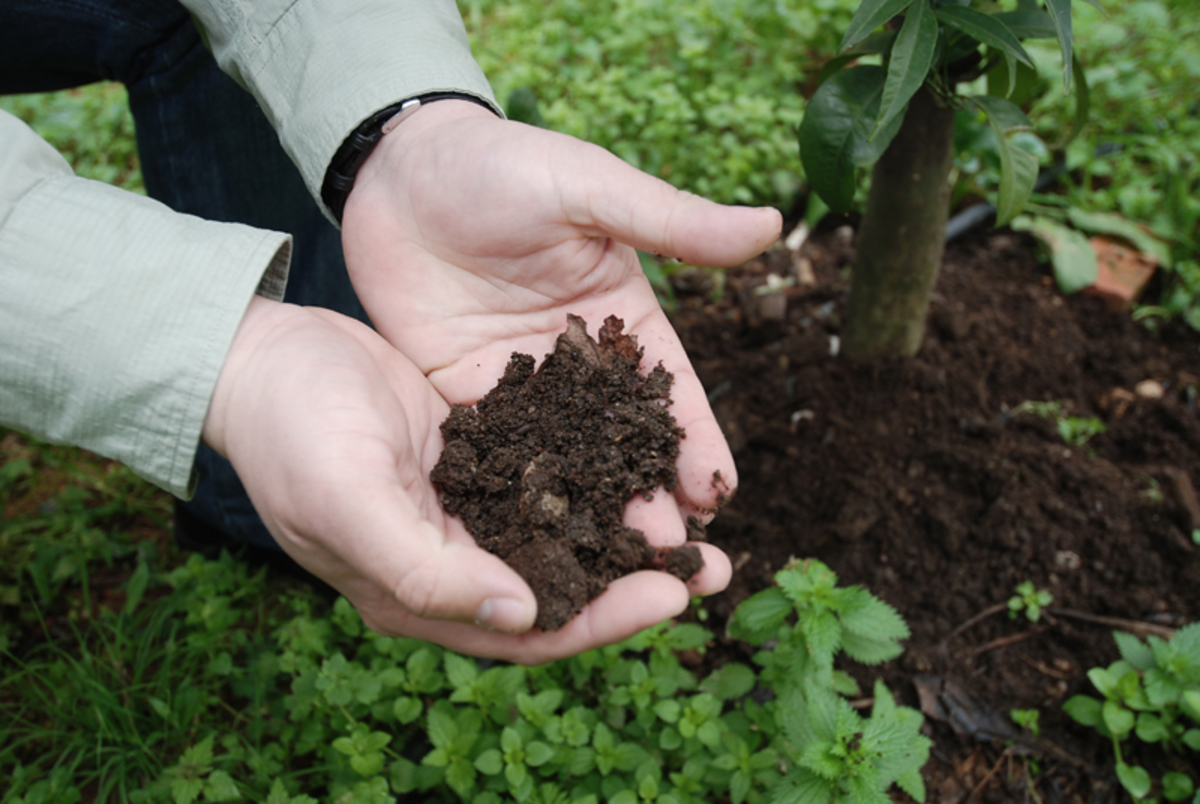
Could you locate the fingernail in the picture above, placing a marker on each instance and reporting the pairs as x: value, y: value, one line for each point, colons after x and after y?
x: 503, y: 614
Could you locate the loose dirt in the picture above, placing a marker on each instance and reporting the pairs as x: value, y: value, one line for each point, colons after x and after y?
x: 541, y: 468
x: 925, y: 481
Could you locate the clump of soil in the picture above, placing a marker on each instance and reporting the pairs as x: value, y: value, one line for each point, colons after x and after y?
x: 541, y: 468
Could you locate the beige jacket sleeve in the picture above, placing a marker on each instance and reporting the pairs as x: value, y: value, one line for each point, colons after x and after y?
x: 320, y: 67
x: 116, y: 312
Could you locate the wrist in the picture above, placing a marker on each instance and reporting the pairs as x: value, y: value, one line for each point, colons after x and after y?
x: 356, y: 150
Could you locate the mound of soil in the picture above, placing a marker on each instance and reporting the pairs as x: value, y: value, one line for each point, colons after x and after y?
x: 541, y: 468
x: 924, y: 481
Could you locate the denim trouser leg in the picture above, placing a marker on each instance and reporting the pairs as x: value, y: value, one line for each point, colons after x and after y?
x: 205, y: 149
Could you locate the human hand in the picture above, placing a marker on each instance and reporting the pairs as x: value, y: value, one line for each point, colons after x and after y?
x: 334, y: 434
x: 469, y: 238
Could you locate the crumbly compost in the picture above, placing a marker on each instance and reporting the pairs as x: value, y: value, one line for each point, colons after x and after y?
x: 540, y: 469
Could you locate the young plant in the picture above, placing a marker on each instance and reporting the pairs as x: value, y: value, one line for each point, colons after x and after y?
x: 841, y: 756
x: 1029, y: 599
x: 1152, y: 692
x: 828, y: 619
x: 898, y: 118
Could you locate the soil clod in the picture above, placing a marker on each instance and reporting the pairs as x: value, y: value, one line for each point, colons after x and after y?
x: 541, y: 468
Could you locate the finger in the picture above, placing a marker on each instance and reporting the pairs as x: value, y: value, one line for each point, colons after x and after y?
x: 715, y: 575
x: 629, y: 605
x: 427, y: 574
x: 658, y: 518
x: 647, y: 213
x: 705, y: 469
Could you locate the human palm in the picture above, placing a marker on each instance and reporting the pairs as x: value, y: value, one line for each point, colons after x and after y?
x: 334, y: 434
x: 469, y: 238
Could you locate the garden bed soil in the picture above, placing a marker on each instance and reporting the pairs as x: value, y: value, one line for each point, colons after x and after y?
x: 924, y: 481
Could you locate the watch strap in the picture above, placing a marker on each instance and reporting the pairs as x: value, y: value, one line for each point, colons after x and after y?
x: 343, y: 168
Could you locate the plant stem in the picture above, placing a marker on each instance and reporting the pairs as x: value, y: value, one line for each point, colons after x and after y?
x: 902, y: 237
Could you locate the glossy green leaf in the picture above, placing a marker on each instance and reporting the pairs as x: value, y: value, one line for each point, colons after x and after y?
x: 1177, y: 786
x: 833, y: 134
x: 912, y: 55
x: 869, y: 16
x: 1072, y: 257
x: 1117, y: 718
x: 1134, y: 779
x: 1060, y: 15
x: 1030, y: 23
x: 986, y: 29
x: 1018, y: 167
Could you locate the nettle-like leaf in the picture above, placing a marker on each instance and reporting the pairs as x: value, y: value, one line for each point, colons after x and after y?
x: 759, y: 617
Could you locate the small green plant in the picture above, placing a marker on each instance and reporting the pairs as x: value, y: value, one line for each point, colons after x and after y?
x: 1030, y: 600
x: 1152, y: 693
x: 1074, y: 430
x: 1028, y: 719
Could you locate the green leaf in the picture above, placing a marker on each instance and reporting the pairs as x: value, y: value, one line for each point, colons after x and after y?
x: 460, y: 671
x: 802, y: 787
x: 1084, y: 709
x: 912, y: 56
x: 1177, y: 786
x: 1018, y: 167
x: 834, y: 133
x: 1151, y: 729
x: 870, y: 651
x: 986, y: 29
x: 489, y: 762
x: 1190, y: 703
x: 1027, y: 23
x: 1060, y: 15
x: 1071, y: 254
x: 1112, y: 224
x: 510, y: 740
x: 1191, y: 738
x: 441, y: 728
x: 460, y: 775
x: 537, y: 754
x: 1132, y: 649
x: 732, y: 681
x: 866, y: 615
x: 515, y: 774
x: 406, y: 709
x: 135, y: 588
x: 1134, y: 779
x: 761, y: 614
x: 869, y: 16
x: 1117, y: 719
x: 667, y: 711
x: 185, y: 791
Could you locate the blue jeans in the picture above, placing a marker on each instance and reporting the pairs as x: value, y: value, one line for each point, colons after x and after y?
x: 205, y: 149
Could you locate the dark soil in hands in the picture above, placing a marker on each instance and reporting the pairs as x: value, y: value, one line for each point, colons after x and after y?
x: 923, y: 481
x: 541, y: 468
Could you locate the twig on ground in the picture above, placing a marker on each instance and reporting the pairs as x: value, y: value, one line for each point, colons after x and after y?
x: 978, y: 618
x: 1137, y: 627
x: 995, y: 768
x: 1005, y: 641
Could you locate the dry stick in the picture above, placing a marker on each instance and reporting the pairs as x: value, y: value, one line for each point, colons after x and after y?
x: 980, y: 617
x: 1004, y: 642
x: 979, y: 787
x: 1137, y: 627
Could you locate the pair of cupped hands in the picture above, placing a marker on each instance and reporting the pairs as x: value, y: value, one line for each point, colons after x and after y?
x: 467, y: 238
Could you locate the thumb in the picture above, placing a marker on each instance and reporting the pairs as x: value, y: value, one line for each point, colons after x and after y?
x: 431, y: 576
x: 647, y: 213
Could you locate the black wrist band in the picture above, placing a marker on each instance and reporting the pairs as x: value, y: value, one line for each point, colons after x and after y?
x: 343, y: 168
